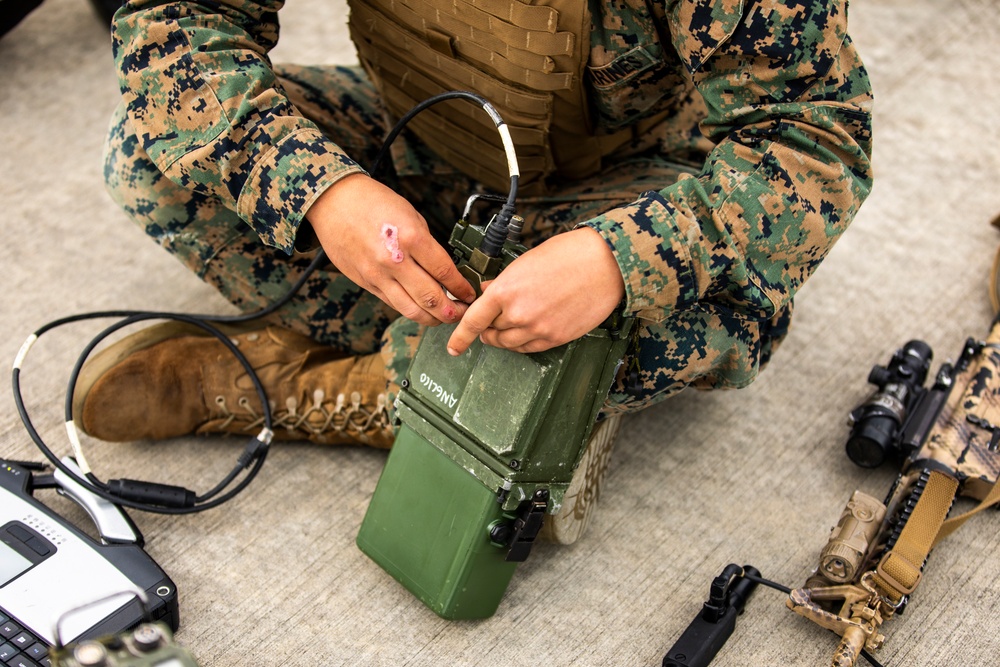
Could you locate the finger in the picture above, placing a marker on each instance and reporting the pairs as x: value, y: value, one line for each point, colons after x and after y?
x: 515, y: 340
x: 397, y: 297
x: 436, y: 261
x: 476, y: 320
x: 508, y: 339
x: 385, y: 298
x: 427, y: 293
x: 536, y: 345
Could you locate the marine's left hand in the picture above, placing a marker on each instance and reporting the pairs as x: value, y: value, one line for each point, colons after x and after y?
x: 550, y: 295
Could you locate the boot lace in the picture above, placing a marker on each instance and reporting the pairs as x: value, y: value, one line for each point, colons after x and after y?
x: 349, y: 418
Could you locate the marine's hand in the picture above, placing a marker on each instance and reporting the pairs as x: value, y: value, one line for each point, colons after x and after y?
x: 379, y: 241
x: 550, y: 295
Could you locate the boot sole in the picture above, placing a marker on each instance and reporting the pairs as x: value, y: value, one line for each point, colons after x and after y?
x: 581, y: 497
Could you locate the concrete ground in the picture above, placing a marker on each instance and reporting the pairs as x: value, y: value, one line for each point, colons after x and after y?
x: 755, y: 476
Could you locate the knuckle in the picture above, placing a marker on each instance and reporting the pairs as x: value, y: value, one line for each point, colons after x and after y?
x: 442, y: 272
x: 430, y: 300
x: 475, y: 325
x: 411, y: 312
x: 498, y: 290
x: 514, y: 317
x: 384, y: 263
x: 541, y: 331
x: 406, y: 235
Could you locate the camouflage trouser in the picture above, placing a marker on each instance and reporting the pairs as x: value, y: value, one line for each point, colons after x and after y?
x: 703, y: 346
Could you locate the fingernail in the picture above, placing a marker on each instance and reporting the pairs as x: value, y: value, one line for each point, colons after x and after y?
x: 453, y: 352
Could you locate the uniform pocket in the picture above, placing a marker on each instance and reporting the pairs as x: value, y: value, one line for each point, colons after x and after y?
x: 633, y: 85
x: 699, y: 27
x: 629, y: 73
x: 176, y: 109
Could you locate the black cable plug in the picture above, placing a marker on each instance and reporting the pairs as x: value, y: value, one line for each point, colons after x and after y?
x: 496, y: 232
x: 253, y: 449
x: 715, y: 623
x: 160, y: 495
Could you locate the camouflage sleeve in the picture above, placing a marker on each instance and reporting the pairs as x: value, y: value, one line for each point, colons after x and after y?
x: 789, y: 111
x: 207, y: 107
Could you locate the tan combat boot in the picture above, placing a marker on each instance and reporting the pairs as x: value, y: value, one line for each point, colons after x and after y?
x: 175, y: 379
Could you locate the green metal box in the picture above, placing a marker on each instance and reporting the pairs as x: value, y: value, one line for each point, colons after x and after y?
x: 488, y: 440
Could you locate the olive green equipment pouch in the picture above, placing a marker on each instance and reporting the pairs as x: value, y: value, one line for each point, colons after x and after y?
x: 487, y: 445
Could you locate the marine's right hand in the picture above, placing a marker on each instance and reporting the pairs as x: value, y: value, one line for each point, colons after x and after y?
x: 380, y: 242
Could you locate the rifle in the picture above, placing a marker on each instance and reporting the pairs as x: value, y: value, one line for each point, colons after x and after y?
x: 947, y: 438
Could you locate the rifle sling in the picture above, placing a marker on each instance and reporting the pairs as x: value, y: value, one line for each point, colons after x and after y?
x: 954, y: 523
x: 899, y: 571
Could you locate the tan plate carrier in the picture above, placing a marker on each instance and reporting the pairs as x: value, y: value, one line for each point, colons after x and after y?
x: 526, y: 59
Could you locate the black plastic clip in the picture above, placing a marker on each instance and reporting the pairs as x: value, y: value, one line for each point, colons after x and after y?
x: 713, y: 626
x: 526, y: 526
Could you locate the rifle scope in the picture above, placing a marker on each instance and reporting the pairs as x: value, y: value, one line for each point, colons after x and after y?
x: 877, y: 423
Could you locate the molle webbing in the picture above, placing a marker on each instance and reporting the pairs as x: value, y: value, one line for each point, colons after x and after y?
x: 526, y: 59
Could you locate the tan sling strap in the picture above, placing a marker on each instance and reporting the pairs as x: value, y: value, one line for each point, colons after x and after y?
x: 995, y: 275
x: 954, y: 523
x: 898, y: 573
x: 527, y: 59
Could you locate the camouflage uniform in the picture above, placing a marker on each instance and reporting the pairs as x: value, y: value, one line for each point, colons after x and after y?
x: 716, y: 214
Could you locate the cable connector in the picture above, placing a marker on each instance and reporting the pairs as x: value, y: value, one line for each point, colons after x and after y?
x: 162, y: 495
x: 255, y: 447
x: 712, y: 627
x: 496, y: 232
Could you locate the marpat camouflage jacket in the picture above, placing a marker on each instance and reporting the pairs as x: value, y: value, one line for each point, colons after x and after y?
x: 788, y: 120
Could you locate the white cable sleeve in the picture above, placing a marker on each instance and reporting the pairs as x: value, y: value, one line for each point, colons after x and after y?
x: 508, y: 147
x: 23, y: 352
x: 74, y: 439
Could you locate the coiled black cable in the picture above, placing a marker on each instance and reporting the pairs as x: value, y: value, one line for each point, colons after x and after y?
x: 163, y: 499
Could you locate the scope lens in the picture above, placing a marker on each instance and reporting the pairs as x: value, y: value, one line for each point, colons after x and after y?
x: 865, y: 451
